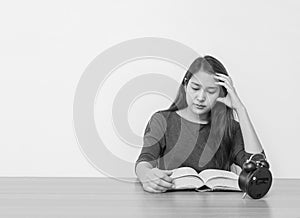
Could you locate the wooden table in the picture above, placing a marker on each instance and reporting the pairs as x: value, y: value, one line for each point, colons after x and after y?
x: 104, y: 197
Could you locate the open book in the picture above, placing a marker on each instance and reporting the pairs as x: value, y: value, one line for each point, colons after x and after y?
x: 206, y: 180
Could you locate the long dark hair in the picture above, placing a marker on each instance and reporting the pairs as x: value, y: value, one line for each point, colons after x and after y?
x: 220, y: 116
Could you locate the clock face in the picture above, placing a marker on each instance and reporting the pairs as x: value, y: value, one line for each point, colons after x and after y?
x: 259, y: 183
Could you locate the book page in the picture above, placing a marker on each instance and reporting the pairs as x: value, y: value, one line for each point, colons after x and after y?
x: 223, y: 184
x: 188, y: 182
x: 216, y: 173
x: 183, y: 171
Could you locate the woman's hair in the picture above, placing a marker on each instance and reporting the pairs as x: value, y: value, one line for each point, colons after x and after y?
x: 220, y: 116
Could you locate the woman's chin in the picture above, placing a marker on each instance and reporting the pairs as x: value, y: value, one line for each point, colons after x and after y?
x: 199, y: 111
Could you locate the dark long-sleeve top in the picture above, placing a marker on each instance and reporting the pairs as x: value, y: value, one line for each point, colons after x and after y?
x: 171, y: 141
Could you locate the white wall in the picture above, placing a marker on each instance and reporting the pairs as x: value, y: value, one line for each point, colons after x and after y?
x: 46, y: 46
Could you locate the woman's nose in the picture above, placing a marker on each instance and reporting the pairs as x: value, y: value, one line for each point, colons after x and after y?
x: 201, y: 96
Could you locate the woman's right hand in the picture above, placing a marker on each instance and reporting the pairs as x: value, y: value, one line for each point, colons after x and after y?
x: 156, y: 180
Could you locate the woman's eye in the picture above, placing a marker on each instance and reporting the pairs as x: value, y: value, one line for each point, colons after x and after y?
x: 211, y: 92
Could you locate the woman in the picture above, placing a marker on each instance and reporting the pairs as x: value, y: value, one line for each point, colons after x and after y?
x: 198, y: 130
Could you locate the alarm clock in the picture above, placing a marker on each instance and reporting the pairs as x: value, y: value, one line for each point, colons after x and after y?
x: 255, y: 178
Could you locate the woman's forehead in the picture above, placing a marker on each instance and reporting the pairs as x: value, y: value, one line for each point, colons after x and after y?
x: 203, y: 79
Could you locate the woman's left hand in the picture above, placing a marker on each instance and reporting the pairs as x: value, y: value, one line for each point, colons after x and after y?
x: 231, y: 100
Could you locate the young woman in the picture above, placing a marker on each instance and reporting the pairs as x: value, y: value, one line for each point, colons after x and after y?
x: 198, y: 129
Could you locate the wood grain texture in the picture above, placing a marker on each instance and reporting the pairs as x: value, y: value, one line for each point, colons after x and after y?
x: 107, y: 197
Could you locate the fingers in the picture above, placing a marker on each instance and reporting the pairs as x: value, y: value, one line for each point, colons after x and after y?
x: 165, y: 176
x: 168, y: 172
x: 224, y: 78
x: 163, y: 183
x: 225, y: 85
x: 150, y: 189
x: 154, y: 187
x: 158, y: 187
x: 158, y: 180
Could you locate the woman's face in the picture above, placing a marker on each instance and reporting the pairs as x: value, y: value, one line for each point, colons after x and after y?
x: 201, y: 92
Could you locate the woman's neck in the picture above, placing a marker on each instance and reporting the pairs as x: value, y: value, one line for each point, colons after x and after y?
x: 189, y: 115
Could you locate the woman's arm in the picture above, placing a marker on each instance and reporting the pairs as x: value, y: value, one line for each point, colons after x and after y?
x: 152, y: 178
x: 251, y: 141
x: 239, y: 153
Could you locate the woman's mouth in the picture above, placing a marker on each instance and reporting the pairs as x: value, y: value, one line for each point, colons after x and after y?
x: 200, y: 106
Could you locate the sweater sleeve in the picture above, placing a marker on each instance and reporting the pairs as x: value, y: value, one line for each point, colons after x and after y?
x: 153, y: 140
x: 238, y: 153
